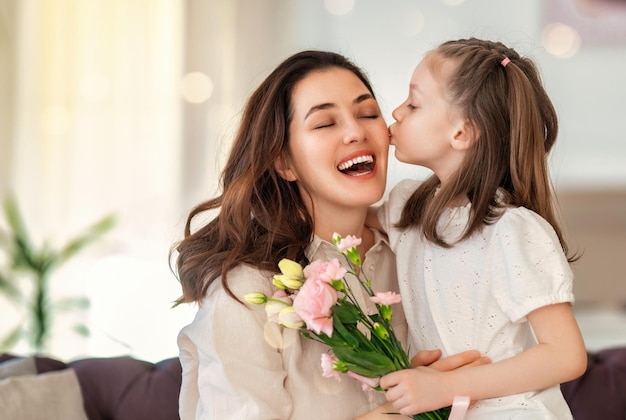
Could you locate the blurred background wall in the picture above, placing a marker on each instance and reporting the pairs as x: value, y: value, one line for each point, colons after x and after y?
x: 128, y: 107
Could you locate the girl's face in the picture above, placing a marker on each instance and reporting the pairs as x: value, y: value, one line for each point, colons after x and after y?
x: 428, y: 126
x: 338, y: 144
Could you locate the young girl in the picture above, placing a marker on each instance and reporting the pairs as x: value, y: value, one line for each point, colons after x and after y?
x: 482, y: 262
x: 308, y: 160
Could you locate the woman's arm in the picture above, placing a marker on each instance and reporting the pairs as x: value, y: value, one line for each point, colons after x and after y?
x: 559, y: 356
x: 232, y: 367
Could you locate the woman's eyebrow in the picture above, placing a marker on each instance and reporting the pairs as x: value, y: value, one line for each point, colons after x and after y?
x: 362, y: 98
x: 319, y: 107
x: 328, y: 105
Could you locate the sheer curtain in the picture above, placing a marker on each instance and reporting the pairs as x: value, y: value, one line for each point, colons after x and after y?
x: 102, y: 118
x: 95, y: 129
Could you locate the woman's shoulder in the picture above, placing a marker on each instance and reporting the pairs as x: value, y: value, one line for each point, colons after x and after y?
x: 242, y: 279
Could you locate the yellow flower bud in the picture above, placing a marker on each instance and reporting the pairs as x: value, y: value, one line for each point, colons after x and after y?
x: 290, y: 268
x: 292, y: 275
x: 255, y: 298
x: 278, y: 282
x: 291, y: 283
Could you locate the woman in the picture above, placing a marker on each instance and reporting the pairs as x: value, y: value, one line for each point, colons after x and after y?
x: 308, y: 160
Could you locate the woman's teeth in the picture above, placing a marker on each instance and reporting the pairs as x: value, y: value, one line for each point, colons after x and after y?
x: 349, y: 164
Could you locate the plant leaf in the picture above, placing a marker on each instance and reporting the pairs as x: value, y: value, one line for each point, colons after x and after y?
x: 10, y: 340
x: 19, y: 236
x: 82, y: 330
x: 340, y: 329
x: 346, y: 313
x: 9, y: 289
x: 367, y: 363
x: 92, y: 233
x: 72, y: 303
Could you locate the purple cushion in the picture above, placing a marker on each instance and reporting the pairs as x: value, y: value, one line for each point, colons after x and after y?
x: 601, y: 392
x: 122, y: 388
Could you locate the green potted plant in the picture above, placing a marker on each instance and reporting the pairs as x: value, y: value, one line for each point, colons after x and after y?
x: 23, y: 260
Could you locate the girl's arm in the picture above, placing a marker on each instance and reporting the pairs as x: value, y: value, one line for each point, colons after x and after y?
x: 465, y: 359
x: 559, y: 356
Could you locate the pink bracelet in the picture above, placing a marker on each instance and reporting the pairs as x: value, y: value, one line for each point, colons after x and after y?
x: 460, y: 404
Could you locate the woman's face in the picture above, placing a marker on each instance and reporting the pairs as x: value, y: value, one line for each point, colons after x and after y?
x: 338, y: 143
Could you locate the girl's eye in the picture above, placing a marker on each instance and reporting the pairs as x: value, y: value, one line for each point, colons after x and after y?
x: 411, y: 107
x: 371, y: 116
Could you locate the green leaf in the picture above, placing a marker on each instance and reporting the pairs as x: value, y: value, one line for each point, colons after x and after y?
x: 441, y: 414
x: 24, y: 256
x: 9, y: 288
x: 5, y: 240
x: 10, y: 340
x: 346, y: 313
x: 21, y: 245
x: 90, y: 235
x: 14, y: 219
x: 82, y: 330
x: 72, y: 303
x: 340, y: 329
x: 367, y: 363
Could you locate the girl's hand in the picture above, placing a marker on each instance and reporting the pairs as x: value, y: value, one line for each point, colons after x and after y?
x: 416, y: 390
x: 431, y: 359
x: 405, y: 388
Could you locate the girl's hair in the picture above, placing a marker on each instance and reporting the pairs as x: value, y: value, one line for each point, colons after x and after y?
x: 516, y: 126
x: 262, y: 218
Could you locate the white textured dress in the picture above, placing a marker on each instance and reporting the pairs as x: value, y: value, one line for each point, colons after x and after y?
x: 476, y: 295
x: 236, y: 365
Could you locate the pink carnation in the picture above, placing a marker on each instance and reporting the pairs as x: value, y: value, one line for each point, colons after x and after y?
x: 348, y: 242
x: 313, y: 304
x: 386, y: 298
x: 328, y: 367
x: 365, y: 380
x: 324, y: 271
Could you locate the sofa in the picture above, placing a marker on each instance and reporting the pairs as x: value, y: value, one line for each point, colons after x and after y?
x: 123, y: 388
x: 117, y: 388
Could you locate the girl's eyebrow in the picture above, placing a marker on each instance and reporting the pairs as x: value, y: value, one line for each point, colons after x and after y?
x: 328, y: 105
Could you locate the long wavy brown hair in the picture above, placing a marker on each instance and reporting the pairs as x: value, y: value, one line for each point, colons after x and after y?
x: 262, y: 218
x: 517, y: 128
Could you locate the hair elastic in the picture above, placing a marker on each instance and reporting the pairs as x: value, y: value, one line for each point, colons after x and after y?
x: 506, y: 61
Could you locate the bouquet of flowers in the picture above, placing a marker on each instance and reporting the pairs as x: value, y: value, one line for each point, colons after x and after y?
x: 318, y: 300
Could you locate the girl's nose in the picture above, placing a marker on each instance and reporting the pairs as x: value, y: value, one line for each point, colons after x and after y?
x: 397, y: 113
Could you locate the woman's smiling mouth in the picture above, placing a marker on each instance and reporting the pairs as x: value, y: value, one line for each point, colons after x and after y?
x: 357, y: 166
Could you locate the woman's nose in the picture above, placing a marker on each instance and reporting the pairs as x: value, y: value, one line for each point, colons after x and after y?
x: 355, y: 132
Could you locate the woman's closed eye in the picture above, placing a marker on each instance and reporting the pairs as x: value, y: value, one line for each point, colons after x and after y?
x: 323, y: 125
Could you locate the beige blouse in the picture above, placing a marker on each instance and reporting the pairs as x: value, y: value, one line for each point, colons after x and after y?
x: 236, y: 365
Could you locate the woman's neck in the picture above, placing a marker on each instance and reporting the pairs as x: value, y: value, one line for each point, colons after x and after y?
x: 346, y: 224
